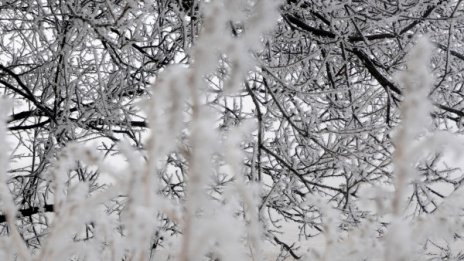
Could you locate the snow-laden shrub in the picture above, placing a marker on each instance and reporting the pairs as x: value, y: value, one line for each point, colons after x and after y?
x: 126, y: 220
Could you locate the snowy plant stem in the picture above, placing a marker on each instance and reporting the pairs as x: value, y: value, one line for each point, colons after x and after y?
x: 194, y: 185
x: 217, y: 17
x: 415, y: 111
x: 401, y: 172
x: 197, y: 158
x: 9, y: 208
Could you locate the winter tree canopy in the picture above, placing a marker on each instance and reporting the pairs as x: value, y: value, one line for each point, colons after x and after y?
x: 231, y: 130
